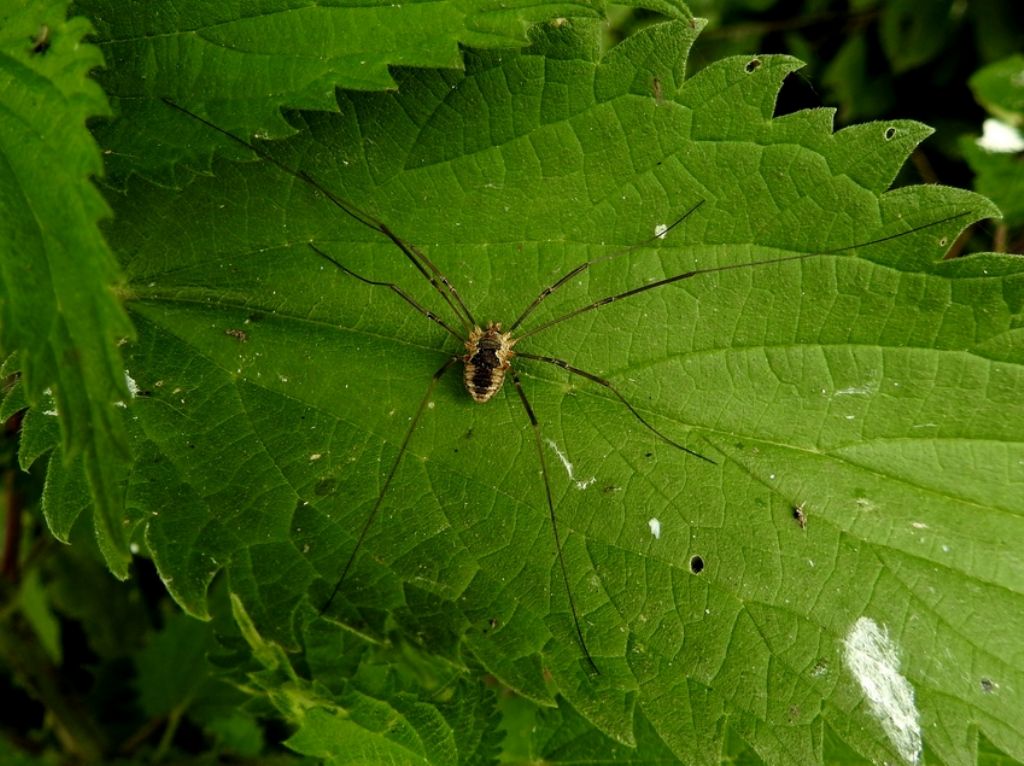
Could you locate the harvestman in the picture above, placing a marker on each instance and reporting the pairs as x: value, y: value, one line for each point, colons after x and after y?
x: 489, y: 350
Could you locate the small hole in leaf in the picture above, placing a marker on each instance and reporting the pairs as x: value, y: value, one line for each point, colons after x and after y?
x: 943, y: 242
x: 890, y: 133
x: 696, y: 565
x: 752, y: 66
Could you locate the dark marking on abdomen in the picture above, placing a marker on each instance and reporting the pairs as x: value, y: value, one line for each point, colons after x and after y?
x: 484, y: 363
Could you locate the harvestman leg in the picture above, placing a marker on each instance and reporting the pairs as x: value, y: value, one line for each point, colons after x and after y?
x: 412, y: 426
x: 608, y: 384
x: 413, y: 254
x: 731, y: 267
x: 387, y: 481
x: 554, y: 521
x: 587, y: 264
x: 393, y: 287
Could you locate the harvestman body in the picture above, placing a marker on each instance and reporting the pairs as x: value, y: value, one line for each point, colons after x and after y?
x: 488, y: 357
x: 489, y: 351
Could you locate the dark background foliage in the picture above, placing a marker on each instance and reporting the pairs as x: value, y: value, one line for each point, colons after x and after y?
x: 92, y: 669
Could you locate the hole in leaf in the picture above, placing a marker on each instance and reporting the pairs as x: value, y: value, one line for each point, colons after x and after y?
x: 752, y: 66
x: 890, y: 133
x: 943, y: 242
x: 696, y: 565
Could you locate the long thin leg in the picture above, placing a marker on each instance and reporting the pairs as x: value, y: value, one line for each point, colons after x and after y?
x: 391, y: 286
x: 688, y: 274
x: 387, y: 481
x: 587, y: 264
x: 607, y: 384
x: 554, y: 521
x: 418, y: 258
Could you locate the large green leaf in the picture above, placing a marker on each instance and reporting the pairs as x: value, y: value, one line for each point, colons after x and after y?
x: 59, y: 316
x: 239, y: 64
x: 862, y: 406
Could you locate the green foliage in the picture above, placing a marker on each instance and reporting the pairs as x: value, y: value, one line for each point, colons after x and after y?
x: 58, y: 314
x: 861, y: 403
x: 241, y: 67
x: 998, y: 161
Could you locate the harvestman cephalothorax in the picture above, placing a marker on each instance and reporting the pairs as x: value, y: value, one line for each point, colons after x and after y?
x: 489, y: 350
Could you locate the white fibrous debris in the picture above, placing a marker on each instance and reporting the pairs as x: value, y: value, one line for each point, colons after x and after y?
x: 580, y: 484
x: 133, y: 388
x: 873, y: 660
x: 655, y: 526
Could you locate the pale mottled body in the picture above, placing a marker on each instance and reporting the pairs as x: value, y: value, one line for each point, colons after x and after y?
x: 489, y: 355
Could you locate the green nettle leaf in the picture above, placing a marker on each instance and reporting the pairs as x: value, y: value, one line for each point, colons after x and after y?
x: 58, y: 313
x: 240, y: 66
x: 845, y: 571
x: 373, y: 712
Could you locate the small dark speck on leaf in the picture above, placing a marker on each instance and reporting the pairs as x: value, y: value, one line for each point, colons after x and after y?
x: 800, y: 516
x: 41, y: 42
x: 696, y: 565
x: 609, y: 489
x: 752, y: 66
x: 240, y: 335
x: 325, y: 487
x: 255, y: 317
x: 648, y: 454
x: 468, y: 434
x: 987, y: 685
